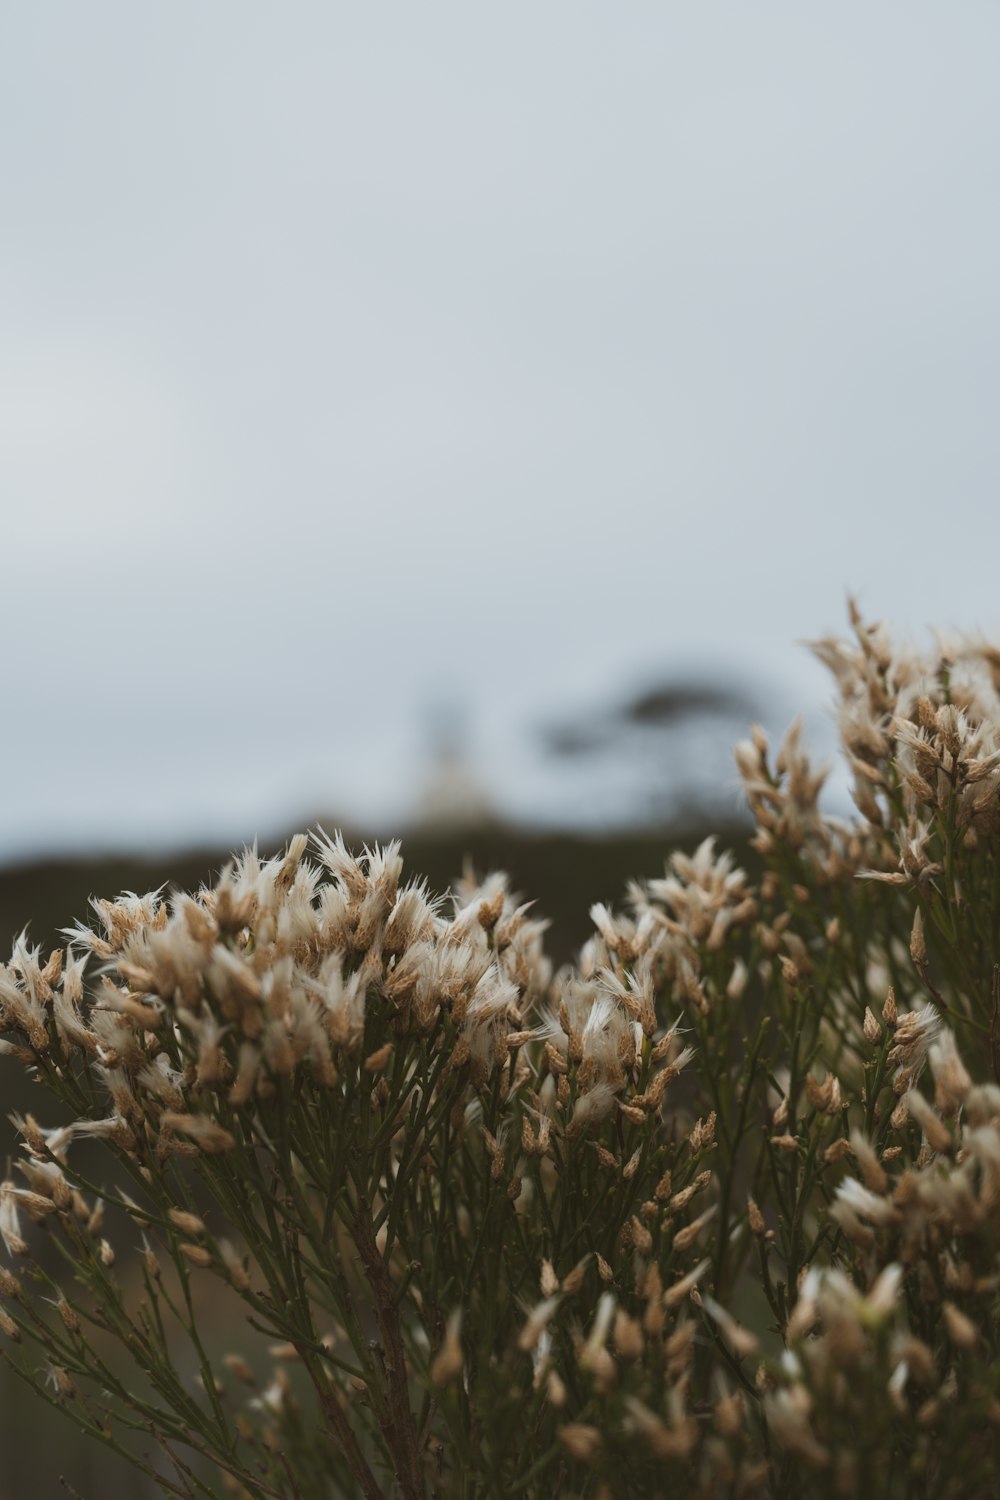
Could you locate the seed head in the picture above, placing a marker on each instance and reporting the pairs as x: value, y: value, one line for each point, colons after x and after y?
x: 449, y: 1360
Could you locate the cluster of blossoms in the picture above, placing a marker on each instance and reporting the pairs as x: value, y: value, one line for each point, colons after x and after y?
x: 908, y: 1341
x: 345, y: 1192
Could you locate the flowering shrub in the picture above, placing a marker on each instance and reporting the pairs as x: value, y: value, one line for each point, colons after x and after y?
x: 342, y: 1192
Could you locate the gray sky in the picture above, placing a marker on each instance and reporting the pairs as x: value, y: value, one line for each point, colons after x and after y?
x: 359, y: 356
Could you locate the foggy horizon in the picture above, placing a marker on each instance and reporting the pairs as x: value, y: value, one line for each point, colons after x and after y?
x: 355, y: 362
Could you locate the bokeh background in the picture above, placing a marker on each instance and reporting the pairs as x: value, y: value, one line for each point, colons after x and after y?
x: 448, y: 419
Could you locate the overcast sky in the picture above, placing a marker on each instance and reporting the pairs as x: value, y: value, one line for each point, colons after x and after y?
x: 359, y: 357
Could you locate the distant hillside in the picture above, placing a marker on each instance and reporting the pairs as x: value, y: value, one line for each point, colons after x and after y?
x: 563, y: 873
